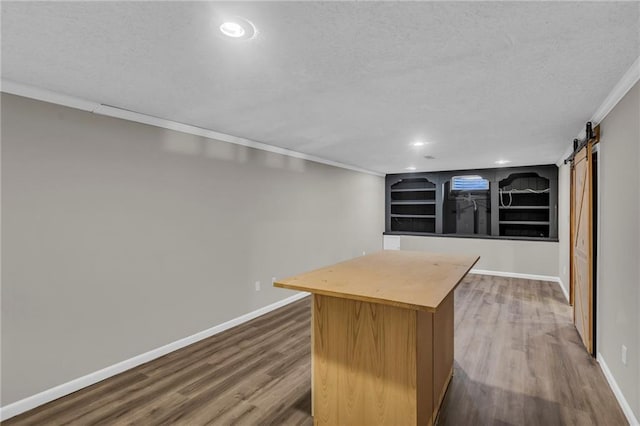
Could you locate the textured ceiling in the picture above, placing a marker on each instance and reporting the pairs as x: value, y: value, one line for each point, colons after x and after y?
x: 353, y: 82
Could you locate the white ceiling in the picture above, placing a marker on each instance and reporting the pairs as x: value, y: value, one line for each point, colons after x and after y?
x: 354, y: 82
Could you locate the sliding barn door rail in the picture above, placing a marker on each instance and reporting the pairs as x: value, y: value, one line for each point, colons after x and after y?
x: 591, y: 135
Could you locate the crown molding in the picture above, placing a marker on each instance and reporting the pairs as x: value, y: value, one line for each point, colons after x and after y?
x: 19, y: 89
x: 628, y: 80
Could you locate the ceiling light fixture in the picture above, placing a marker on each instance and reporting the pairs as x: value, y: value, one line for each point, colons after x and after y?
x: 410, y: 168
x: 232, y: 29
x: 419, y: 143
x: 235, y: 27
x: 503, y: 162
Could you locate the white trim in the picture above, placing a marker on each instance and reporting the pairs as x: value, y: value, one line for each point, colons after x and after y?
x: 564, y: 290
x: 626, y: 408
x: 391, y: 242
x: 628, y: 80
x: 550, y: 278
x: 44, y: 95
x: 598, y: 252
x: 59, y: 391
x: 13, y: 88
x: 515, y: 275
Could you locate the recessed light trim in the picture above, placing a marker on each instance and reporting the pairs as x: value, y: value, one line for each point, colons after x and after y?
x: 235, y: 27
x: 503, y: 161
x: 410, y: 168
x: 232, y: 29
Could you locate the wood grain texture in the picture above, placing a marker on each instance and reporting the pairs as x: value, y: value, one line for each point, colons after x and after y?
x: 518, y: 361
x: 424, y: 367
x: 364, y: 363
x: 582, y: 243
x: 412, y: 280
x: 257, y: 373
x: 443, y: 342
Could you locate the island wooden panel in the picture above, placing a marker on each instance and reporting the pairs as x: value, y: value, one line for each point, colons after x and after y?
x: 442, y: 351
x: 407, y: 279
x: 424, y: 357
x: 368, y: 367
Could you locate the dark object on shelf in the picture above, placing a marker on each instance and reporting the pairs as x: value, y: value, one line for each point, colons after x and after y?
x: 514, y: 203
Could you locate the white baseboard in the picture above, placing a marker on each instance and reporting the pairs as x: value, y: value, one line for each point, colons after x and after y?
x: 551, y: 278
x: 59, y: 391
x: 564, y: 290
x: 515, y: 275
x: 626, y: 408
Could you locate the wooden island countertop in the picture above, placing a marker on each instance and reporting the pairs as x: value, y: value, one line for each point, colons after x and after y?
x: 406, y: 279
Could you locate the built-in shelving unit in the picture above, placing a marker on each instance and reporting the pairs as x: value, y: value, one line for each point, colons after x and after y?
x: 524, y: 205
x: 520, y: 203
x: 412, y: 205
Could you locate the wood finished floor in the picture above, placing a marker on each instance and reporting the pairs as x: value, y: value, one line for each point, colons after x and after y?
x: 518, y: 361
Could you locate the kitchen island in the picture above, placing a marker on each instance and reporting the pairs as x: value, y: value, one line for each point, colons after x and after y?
x: 382, y: 336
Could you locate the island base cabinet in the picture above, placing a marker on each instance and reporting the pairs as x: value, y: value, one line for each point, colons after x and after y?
x: 379, y: 364
x: 442, y: 351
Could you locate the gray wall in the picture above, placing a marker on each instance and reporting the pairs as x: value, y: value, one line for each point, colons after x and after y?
x: 619, y: 254
x: 119, y: 237
x: 523, y: 257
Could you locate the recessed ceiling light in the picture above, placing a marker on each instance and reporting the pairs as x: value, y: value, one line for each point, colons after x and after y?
x: 236, y: 27
x: 410, y: 168
x: 232, y: 29
x: 503, y: 162
x: 418, y: 143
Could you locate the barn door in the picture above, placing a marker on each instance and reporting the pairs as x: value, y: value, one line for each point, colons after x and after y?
x: 582, y: 244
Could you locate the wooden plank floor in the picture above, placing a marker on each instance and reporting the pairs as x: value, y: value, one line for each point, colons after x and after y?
x: 518, y: 361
